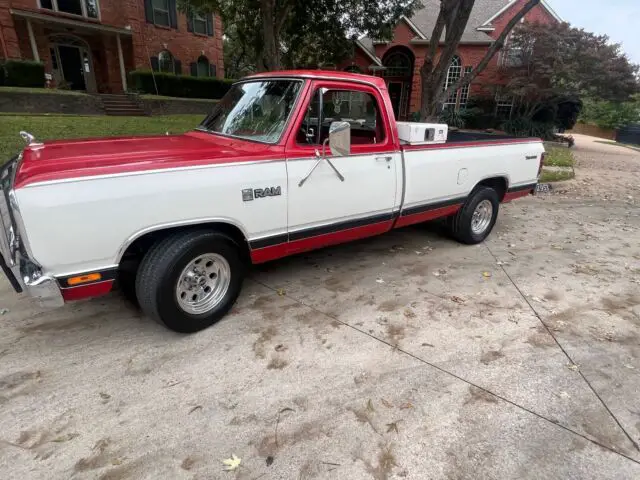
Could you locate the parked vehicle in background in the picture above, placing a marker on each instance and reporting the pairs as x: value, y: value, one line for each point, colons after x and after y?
x: 286, y: 163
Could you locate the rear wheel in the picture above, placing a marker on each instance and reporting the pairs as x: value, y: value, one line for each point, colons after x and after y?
x: 190, y: 280
x: 475, y: 220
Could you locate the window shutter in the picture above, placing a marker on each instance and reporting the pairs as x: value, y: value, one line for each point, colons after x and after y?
x: 173, y: 14
x: 155, y: 66
x: 212, y: 70
x: 210, y: 24
x: 189, y: 20
x: 148, y: 11
x: 193, y: 66
x: 178, y: 67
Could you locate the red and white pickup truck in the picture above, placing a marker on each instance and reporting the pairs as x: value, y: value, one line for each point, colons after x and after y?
x: 287, y: 162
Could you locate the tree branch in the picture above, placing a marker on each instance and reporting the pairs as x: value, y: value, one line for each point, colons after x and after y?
x: 495, y: 48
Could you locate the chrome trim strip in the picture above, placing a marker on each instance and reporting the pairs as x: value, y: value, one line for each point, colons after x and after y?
x: 182, y: 223
x: 147, y: 172
x: 357, y: 155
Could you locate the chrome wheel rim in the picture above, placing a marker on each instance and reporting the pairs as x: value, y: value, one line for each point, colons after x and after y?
x: 203, y: 283
x: 482, y: 217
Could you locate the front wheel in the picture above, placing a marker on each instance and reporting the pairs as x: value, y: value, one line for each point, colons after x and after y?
x: 475, y: 220
x: 190, y: 280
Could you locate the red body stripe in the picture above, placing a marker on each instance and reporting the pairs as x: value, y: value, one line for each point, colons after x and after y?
x: 513, y: 195
x: 87, y: 291
x: 426, y: 216
x: 266, y: 254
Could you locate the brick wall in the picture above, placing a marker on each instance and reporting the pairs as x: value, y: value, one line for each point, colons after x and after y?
x: 146, y: 41
x: 470, y: 54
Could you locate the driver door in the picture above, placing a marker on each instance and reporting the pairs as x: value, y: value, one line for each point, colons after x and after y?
x: 325, y: 210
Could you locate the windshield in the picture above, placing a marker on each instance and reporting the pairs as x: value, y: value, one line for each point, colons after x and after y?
x: 254, y: 110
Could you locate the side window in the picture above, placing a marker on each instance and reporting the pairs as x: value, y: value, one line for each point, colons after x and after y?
x: 360, y: 109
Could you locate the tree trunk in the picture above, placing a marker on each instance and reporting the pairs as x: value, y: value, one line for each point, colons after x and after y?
x: 270, y: 54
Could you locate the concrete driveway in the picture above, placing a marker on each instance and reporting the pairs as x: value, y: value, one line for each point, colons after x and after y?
x: 404, y: 356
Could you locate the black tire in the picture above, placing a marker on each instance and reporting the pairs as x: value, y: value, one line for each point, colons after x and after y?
x: 158, y: 274
x: 460, y: 224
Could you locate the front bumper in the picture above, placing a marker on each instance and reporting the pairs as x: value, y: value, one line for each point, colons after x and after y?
x: 22, y: 271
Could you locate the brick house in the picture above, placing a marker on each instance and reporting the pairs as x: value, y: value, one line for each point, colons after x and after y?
x: 92, y: 44
x: 399, y: 60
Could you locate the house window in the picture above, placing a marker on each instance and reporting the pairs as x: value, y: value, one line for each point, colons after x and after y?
x: 161, y: 12
x: 504, y: 106
x: 464, y: 91
x: 202, y: 67
x: 397, y: 65
x: 84, y: 8
x: 453, y: 75
x: 166, y: 62
x: 199, y: 24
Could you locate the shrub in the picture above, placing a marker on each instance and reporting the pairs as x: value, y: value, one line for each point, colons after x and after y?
x: 172, y: 85
x: 23, y: 73
x: 452, y: 118
x: 523, y: 127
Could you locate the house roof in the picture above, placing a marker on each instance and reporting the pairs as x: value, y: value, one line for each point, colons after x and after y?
x: 482, y: 14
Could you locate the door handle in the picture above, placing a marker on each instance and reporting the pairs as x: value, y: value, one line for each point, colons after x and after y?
x: 384, y: 159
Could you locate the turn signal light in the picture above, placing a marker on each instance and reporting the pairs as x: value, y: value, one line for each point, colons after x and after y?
x: 91, y: 277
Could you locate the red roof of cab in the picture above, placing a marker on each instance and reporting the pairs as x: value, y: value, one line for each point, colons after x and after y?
x: 331, y: 74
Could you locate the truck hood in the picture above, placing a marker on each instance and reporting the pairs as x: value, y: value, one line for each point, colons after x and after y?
x: 70, y: 159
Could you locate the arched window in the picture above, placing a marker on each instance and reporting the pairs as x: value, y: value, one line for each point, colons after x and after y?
x: 398, y: 65
x: 202, y: 67
x: 453, y: 75
x: 166, y: 63
x: 353, y: 69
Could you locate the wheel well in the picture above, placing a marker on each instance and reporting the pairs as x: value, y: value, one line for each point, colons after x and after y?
x: 499, y: 184
x: 139, y: 247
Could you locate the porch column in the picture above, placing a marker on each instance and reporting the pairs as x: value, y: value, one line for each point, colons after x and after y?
x: 32, y: 39
x: 123, y: 75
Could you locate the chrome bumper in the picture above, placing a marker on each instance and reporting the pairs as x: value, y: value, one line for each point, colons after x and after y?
x: 22, y: 271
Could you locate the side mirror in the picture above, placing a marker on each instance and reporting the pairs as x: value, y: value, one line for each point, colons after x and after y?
x: 340, y: 138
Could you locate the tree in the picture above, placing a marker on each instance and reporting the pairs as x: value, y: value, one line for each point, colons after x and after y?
x: 547, y: 62
x: 452, y: 21
x: 611, y: 115
x: 302, y: 31
x: 239, y: 58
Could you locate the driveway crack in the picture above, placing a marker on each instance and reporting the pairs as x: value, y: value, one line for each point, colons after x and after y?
x: 468, y: 382
x: 564, y: 351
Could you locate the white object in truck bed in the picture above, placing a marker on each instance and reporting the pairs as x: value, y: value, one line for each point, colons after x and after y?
x: 422, y: 133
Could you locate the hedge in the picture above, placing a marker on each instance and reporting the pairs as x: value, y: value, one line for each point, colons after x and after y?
x: 23, y: 73
x: 172, y: 85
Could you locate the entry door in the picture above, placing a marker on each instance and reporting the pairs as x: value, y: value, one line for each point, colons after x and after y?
x: 324, y: 204
x: 72, y: 66
x: 395, y: 93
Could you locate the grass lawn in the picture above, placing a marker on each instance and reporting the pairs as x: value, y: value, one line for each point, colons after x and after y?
x: 49, y: 127
x: 40, y: 90
x: 558, y: 157
x: 627, y: 145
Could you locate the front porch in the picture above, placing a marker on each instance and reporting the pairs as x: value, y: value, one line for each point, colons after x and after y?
x: 78, y: 55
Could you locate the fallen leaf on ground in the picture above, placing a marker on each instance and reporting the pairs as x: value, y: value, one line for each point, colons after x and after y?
x: 385, y: 403
x: 197, y: 407
x: 573, y: 367
x: 409, y: 313
x: 457, y: 299
x: 486, y: 274
x: 231, y: 463
x: 393, y: 426
x: 370, y: 406
x: 281, y: 292
x: 404, y: 406
x: 66, y: 437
